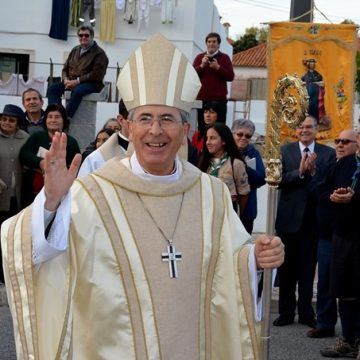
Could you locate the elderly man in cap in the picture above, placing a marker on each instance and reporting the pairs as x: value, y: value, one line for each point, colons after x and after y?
x: 154, y: 266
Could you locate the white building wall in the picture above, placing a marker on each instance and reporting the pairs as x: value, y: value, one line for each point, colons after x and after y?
x: 194, y: 19
x: 27, y: 32
x: 248, y: 72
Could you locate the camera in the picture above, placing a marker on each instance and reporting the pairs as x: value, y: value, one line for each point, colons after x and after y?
x: 211, y: 59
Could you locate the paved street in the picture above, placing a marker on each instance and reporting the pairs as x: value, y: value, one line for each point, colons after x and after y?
x: 287, y: 343
x: 7, y: 345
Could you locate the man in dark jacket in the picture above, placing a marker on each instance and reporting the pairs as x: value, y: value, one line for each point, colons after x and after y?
x: 305, y: 164
x: 343, y: 193
x: 83, y: 72
x: 326, y: 307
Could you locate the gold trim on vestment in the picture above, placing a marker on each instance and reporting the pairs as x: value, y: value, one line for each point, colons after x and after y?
x: 65, y: 349
x: 16, y: 293
x: 216, y: 219
x: 140, y: 283
x: 26, y: 244
x: 25, y: 293
x: 95, y: 192
x: 207, y: 201
x: 114, y: 171
x: 244, y: 277
x: 21, y: 276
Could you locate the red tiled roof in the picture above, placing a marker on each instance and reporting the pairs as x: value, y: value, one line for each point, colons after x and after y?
x: 254, y: 57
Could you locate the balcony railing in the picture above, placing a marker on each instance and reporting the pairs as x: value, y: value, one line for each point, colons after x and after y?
x: 40, y: 75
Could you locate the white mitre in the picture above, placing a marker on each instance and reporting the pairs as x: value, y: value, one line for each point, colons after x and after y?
x: 157, y: 73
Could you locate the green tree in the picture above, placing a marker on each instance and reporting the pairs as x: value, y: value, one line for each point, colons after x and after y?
x: 246, y: 41
x: 252, y: 37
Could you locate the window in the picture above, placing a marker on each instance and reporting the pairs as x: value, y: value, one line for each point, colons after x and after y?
x: 14, y: 64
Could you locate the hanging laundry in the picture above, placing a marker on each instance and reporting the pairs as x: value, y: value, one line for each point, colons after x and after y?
x: 87, y: 7
x: 143, y: 9
x: 130, y: 11
x: 107, y: 20
x: 75, y: 11
x: 167, y: 11
x: 60, y: 19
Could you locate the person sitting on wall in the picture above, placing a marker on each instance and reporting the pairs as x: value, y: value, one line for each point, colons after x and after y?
x: 83, y: 72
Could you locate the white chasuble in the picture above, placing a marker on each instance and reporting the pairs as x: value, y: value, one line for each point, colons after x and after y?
x: 110, y: 296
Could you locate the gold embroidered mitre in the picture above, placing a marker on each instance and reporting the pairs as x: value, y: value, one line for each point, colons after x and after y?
x: 157, y: 73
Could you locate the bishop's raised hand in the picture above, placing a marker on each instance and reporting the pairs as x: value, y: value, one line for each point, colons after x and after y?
x: 57, y: 177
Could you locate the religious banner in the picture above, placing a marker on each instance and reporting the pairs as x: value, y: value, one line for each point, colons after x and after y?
x: 323, y: 57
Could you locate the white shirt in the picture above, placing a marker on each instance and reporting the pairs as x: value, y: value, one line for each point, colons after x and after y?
x: 95, y: 160
x: 311, y: 147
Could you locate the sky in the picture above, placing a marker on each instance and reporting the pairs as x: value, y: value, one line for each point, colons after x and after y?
x: 242, y: 14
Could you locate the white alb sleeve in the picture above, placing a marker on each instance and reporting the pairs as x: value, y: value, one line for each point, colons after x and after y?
x: 254, y: 282
x: 56, y: 242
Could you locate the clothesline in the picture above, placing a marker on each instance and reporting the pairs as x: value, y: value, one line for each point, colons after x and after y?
x: 16, y: 85
x: 78, y: 12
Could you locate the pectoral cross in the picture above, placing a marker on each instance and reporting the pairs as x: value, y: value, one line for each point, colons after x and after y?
x: 171, y: 256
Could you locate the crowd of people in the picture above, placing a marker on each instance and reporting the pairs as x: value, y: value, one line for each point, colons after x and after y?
x: 142, y: 186
x: 143, y: 205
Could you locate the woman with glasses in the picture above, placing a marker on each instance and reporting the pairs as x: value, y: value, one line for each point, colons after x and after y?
x: 11, y: 141
x: 220, y: 158
x: 243, y: 130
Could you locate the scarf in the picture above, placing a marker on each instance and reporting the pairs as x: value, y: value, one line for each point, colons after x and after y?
x: 214, y: 167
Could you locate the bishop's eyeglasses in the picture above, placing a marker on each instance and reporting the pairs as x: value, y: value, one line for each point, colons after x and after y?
x: 165, y: 121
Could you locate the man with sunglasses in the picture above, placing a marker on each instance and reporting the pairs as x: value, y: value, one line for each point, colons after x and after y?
x: 83, y: 71
x: 341, y: 193
x: 326, y: 308
x: 305, y: 164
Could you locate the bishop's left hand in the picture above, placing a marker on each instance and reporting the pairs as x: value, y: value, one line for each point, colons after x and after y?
x: 269, y: 252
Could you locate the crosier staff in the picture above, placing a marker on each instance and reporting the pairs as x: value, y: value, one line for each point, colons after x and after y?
x: 289, y: 104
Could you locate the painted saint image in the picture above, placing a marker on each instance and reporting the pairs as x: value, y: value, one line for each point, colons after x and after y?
x: 315, y: 86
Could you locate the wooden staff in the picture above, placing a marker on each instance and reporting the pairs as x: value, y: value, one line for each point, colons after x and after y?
x: 289, y: 104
